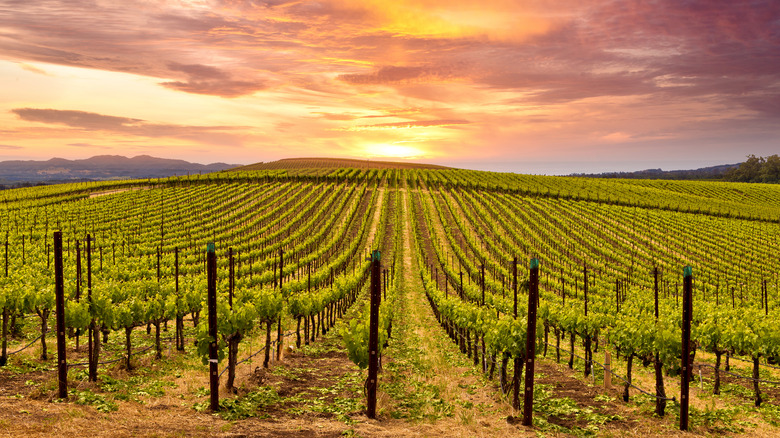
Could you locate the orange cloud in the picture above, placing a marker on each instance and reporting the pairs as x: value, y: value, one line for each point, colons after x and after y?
x: 413, y: 124
x: 493, y: 19
x: 32, y: 68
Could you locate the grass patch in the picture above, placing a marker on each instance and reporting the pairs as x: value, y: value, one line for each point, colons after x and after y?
x: 406, y: 378
x: 135, y: 387
x: 27, y: 365
x: 730, y: 419
x: 98, y: 401
x: 294, y: 374
x: 245, y: 406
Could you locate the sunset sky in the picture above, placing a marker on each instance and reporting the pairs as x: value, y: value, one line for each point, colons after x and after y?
x: 524, y: 86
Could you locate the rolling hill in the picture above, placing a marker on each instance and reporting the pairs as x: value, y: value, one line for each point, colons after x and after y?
x: 101, y: 167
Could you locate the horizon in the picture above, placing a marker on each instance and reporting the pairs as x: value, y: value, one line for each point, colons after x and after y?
x: 495, y: 167
x: 575, y: 87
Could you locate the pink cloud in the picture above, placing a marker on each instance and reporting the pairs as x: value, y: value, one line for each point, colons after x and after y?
x: 397, y: 74
x: 205, y: 79
x: 88, y: 121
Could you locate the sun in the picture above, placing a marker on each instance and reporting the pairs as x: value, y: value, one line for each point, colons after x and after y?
x: 393, y: 150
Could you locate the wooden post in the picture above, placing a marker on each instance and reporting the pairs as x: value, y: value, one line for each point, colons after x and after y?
x: 211, y: 272
x: 482, y: 281
x: 607, y: 370
x: 530, y: 344
x: 179, y: 324
x: 514, y: 283
x: 517, y: 362
x: 59, y: 290
x: 585, y: 288
x: 231, y: 277
x: 281, y: 268
x: 655, y: 289
x: 686, y: 346
x: 92, y: 346
x: 279, y: 340
x: 78, y: 284
x: 461, y: 285
x: 588, y: 351
x: 766, y: 299
x: 373, y: 334
x: 660, y: 392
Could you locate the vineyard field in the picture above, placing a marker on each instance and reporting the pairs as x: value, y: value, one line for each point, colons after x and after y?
x: 292, y: 245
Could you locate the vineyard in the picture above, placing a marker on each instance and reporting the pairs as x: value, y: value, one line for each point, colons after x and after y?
x: 289, y: 254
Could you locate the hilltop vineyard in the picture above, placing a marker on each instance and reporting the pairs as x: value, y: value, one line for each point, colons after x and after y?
x: 292, y: 251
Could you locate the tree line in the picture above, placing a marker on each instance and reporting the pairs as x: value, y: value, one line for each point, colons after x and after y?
x: 757, y: 169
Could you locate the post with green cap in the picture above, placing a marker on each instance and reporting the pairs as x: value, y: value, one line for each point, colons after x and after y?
x: 530, y: 344
x: 211, y: 273
x: 93, y: 347
x: 686, y: 345
x: 588, y: 352
x: 279, y: 337
x: 59, y: 291
x: 373, y: 334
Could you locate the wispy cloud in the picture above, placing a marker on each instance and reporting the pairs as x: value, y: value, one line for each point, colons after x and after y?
x: 135, y: 127
x: 88, y: 146
x: 334, y: 116
x: 33, y: 69
x: 78, y: 119
x: 204, y: 79
x: 410, y: 124
x: 397, y: 74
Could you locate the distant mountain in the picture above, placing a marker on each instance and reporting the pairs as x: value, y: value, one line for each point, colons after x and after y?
x: 711, y: 173
x: 101, y: 167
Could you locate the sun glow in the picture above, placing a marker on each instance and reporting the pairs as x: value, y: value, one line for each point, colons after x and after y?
x: 394, y: 151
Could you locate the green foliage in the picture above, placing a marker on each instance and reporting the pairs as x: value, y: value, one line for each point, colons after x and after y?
x: 757, y: 169
x: 203, y: 340
x: 77, y: 314
x: 355, y: 335
x: 99, y: 401
x: 249, y: 405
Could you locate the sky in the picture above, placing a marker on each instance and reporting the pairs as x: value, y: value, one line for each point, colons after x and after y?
x: 532, y: 86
